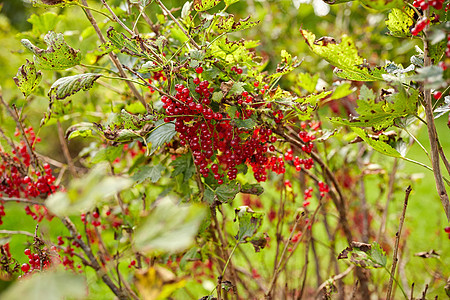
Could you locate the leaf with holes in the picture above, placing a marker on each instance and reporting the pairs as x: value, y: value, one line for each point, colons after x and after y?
x: 57, y: 56
x: 67, y: 86
x: 227, y: 24
x: 344, y: 56
x: 202, y: 5
x: 163, y: 133
x: 399, y: 22
x: 249, y: 223
x: 27, y: 78
x: 130, y: 46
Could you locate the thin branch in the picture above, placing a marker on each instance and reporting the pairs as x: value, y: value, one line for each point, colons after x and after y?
x: 178, y: 23
x: 432, y: 133
x: 334, y: 278
x: 65, y: 150
x: 11, y: 232
x: 388, y: 198
x: 397, y: 242
x: 117, y: 18
x: 22, y: 200
x: 112, y: 55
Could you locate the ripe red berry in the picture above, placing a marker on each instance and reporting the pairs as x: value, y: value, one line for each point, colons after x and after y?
x: 447, y: 229
x: 27, y: 252
x: 25, y: 267
x: 199, y: 70
x: 437, y: 95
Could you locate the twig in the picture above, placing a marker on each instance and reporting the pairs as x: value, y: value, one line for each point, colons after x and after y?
x: 11, y: 232
x: 112, y: 55
x: 334, y: 278
x: 305, y: 266
x: 178, y: 23
x: 22, y: 200
x: 388, y: 198
x: 411, y: 297
x: 397, y: 242
x: 116, y: 18
x: 362, y: 197
x: 424, y: 293
x: 432, y: 134
x: 65, y: 150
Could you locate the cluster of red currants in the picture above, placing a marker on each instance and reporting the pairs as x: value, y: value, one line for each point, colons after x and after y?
x: 420, y: 25
x: 19, y: 179
x: 35, y: 261
x: 424, y: 4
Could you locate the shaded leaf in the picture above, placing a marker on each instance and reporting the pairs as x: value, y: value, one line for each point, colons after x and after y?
x: 67, y: 86
x: 183, y: 165
x: 153, y: 173
x: 130, y: 46
x: 249, y: 223
x: 57, y: 56
x: 163, y: 133
x: 247, y: 123
x: 365, y: 255
x: 227, y: 192
x: 27, y: 78
x: 254, y: 189
x: 377, y: 144
x: 169, y: 227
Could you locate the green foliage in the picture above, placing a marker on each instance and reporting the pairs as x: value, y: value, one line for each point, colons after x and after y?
x: 161, y: 134
x: 57, y: 56
x: 382, y: 114
x: 169, y: 227
x: 344, y: 56
x: 55, y: 284
x: 67, y: 86
x: 249, y: 223
x: 27, y: 78
x: 400, y: 21
x: 223, y: 193
x: 202, y: 5
x: 86, y: 193
x: 367, y: 256
x: 153, y: 173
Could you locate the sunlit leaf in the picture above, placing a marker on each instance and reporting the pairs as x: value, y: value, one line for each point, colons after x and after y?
x: 399, y: 22
x: 57, y: 56
x: 202, y: 5
x: 27, y: 78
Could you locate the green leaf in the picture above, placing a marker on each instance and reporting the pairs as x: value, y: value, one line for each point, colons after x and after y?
x: 163, y: 133
x: 51, y: 285
x: 109, y: 153
x: 27, y: 78
x: 342, y: 90
x: 227, y: 192
x: 399, y: 22
x: 247, y: 123
x: 307, y: 82
x: 129, y: 46
x: 202, y: 5
x: 254, y: 189
x: 229, y: 2
x: 377, y: 144
x: 146, y: 172
x: 57, y: 56
x: 382, y: 114
x: 249, y: 223
x: 183, y: 165
x: 344, y: 56
x: 377, y: 254
x: 84, y: 194
x: 169, y: 227
x: 227, y: 24
x: 237, y: 88
x: 83, y: 129
x: 364, y: 255
x: 67, y: 86
x: 383, y: 4
x: 45, y: 22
